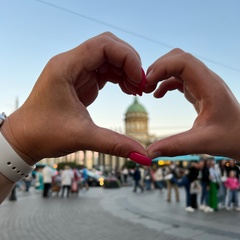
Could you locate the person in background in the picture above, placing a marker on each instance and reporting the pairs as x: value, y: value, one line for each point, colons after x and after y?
x: 125, y: 174
x: 205, y: 185
x: 148, y: 178
x: 47, y: 174
x: 75, y: 181
x: 173, y: 172
x: 222, y: 168
x: 85, y: 178
x: 215, y: 181
x: 66, y: 180
x: 158, y: 178
x: 137, y: 178
x: 195, y: 189
x: 190, y: 176
x: 39, y: 184
x: 231, y: 166
x: 232, y: 184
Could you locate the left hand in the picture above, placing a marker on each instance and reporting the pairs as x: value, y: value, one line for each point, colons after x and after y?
x: 54, y: 120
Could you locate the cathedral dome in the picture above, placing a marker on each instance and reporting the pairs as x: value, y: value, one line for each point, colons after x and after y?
x: 136, y: 107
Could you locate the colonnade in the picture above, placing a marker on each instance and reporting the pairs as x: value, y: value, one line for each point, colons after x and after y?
x: 90, y: 159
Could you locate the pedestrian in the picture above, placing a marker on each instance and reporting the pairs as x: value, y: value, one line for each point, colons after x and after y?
x: 39, y: 184
x: 205, y: 185
x: 85, y: 178
x: 191, y: 175
x: 195, y: 189
x: 158, y: 178
x: 222, y: 191
x: 66, y: 178
x: 231, y: 166
x: 172, y: 171
x: 47, y: 174
x: 137, y: 178
x: 125, y: 174
x: 215, y: 182
x: 232, y: 184
x: 75, y: 181
x: 148, y: 178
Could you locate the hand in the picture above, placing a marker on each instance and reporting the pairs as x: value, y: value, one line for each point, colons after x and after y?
x: 216, y: 130
x: 54, y: 120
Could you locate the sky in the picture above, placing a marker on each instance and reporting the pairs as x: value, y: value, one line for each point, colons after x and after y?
x: 33, y: 31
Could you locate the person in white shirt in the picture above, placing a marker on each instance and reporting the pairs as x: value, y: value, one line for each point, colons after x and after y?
x: 47, y: 173
x: 67, y: 178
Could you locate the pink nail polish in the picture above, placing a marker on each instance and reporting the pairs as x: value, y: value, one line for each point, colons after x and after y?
x: 140, y: 159
x: 139, y: 92
x: 143, y: 83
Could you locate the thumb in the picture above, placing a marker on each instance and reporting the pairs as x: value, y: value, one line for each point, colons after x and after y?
x: 193, y: 141
x: 107, y: 141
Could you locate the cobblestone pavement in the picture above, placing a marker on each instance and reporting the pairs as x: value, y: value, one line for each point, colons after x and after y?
x: 116, y: 214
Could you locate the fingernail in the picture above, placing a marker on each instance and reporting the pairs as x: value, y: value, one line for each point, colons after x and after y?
x: 140, y: 159
x: 149, y: 74
x: 143, y: 83
x: 139, y: 92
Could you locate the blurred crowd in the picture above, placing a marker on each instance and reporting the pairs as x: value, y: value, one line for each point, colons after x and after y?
x: 209, y: 185
x: 49, y: 181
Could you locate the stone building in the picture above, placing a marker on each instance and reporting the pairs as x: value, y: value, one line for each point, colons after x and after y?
x: 136, y: 123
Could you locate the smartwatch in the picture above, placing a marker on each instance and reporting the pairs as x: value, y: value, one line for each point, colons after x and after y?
x: 12, y: 166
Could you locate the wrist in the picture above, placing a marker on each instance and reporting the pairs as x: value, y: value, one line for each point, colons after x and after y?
x: 12, y: 131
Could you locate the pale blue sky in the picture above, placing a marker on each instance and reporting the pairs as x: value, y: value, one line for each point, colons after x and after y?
x: 33, y: 31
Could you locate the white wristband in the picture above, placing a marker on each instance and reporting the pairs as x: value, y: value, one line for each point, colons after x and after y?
x: 11, y: 165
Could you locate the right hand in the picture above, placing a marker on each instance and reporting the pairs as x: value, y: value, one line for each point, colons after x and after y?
x: 216, y: 130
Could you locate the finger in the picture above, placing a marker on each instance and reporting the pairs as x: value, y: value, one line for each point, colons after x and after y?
x: 109, y: 142
x: 184, y: 66
x: 108, y: 48
x: 171, y: 53
x: 117, y: 76
x: 168, y: 85
x: 192, y: 141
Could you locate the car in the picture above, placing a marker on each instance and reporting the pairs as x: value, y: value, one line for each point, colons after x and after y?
x: 94, y: 179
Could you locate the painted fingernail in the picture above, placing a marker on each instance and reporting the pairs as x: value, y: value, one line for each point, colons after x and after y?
x: 143, y: 83
x: 139, y: 92
x: 140, y: 159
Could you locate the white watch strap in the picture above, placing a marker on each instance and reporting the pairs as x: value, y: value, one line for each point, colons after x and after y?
x: 11, y: 165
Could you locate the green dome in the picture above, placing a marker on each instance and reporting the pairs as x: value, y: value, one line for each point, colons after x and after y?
x: 136, y: 107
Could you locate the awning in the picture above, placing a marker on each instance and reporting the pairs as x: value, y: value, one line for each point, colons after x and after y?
x: 178, y: 158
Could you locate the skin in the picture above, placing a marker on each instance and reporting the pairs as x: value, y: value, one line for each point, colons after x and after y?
x: 54, y: 120
x: 216, y: 129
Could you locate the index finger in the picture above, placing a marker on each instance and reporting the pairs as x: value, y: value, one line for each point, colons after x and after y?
x: 184, y: 66
x: 107, y: 48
